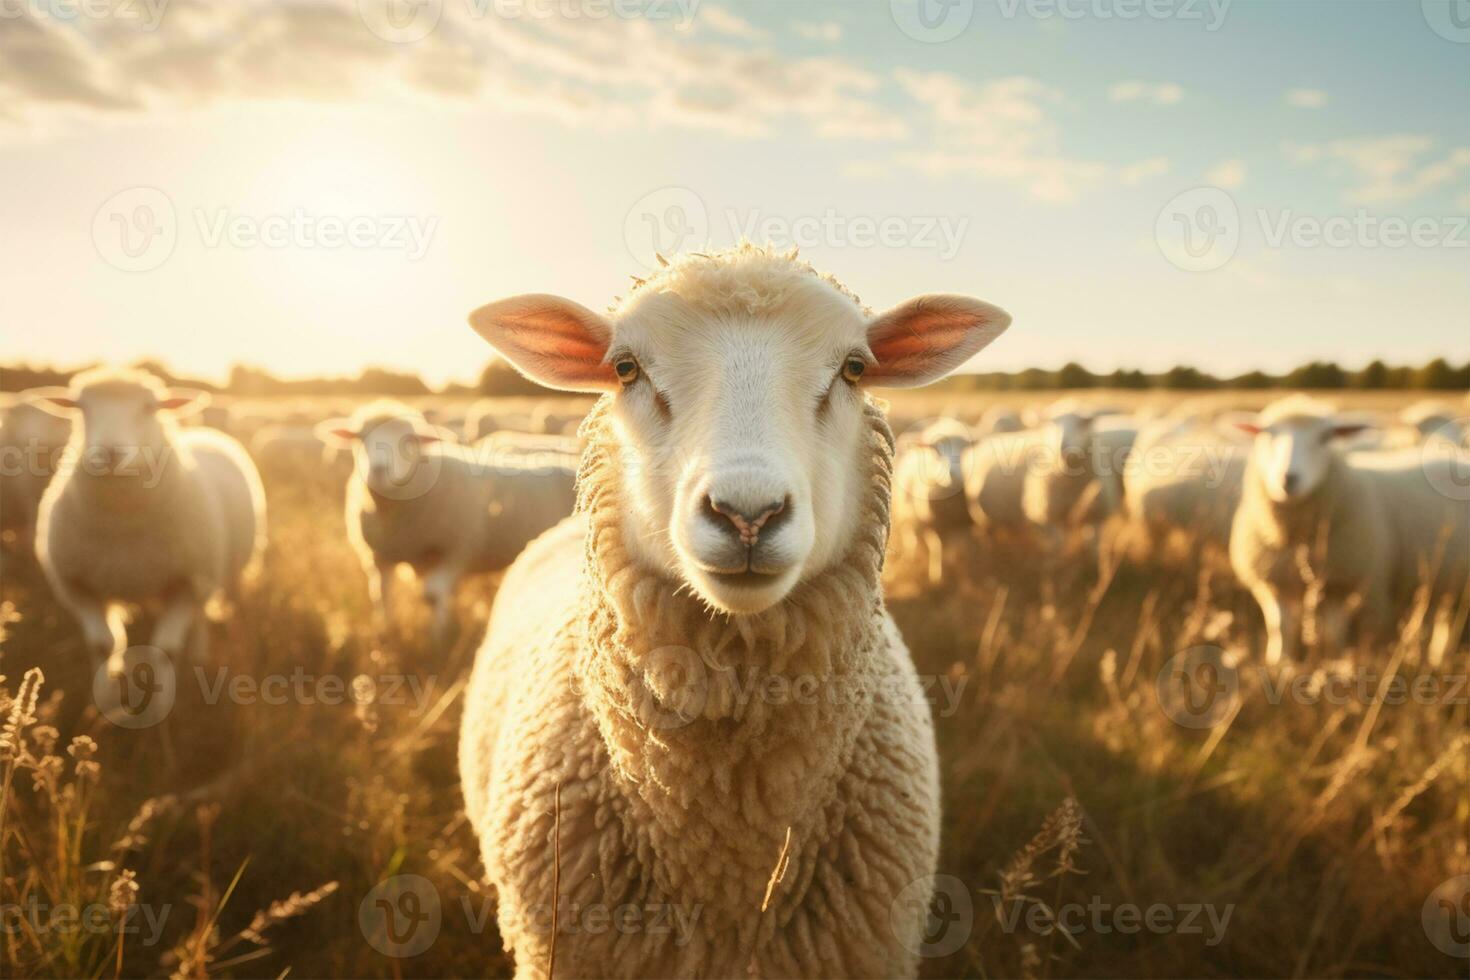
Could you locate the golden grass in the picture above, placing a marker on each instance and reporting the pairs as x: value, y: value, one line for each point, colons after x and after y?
x: 261, y: 828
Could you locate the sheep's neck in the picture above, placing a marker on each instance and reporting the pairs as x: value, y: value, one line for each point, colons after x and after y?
x: 726, y: 731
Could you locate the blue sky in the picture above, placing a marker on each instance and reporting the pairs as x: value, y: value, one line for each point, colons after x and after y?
x: 1050, y: 164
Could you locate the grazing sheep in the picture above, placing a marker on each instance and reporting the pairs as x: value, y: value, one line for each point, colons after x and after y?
x: 929, y: 492
x: 995, y: 479
x: 144, y: 512
x: 285, y: 447
x: 1439, y: 421
x: 419, y: 500
x: 1344, y: 528
x: 31, y: 440
x: 697, y: 672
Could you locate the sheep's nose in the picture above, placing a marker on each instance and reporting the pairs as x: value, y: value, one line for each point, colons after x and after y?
x: 746, y: 522
x: 1290, y: 482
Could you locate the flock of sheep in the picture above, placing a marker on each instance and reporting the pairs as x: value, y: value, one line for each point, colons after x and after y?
x: 735, y: 491
x: 1354, y: 512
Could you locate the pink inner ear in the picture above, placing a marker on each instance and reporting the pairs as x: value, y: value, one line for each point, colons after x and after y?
x: 346, y: 435
x: 175, y: 403
x: 926, y: 338
x: 1249, y: 428
x: 426, y: 438
x: 553, y: 341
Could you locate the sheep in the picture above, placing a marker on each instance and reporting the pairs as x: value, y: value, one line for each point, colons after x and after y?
x: 1438, y: 421
x: 733, y: 510
x: 1183, y: 479
x: 144, y: 512
x: 420, y: 500
x: 929, y: 490
x: 31, y: 440
x: 998, y: 421
x: 1339, y: 528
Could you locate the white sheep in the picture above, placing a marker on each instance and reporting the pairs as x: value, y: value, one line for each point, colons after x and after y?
x: 998, y: 420
x: 1435, y: 420
x: 1182, y: 481
x: 697, y: 674
x: 31, y: 440
x: 142, y: 512
x: 1347, y: 528
x: 929, y: 493
x: 445, y: 510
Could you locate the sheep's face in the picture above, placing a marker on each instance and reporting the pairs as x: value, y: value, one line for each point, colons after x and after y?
x: 125, y: 424
x: 390, y: 451
x: 1293, y: 454
x: 1070, y: 437
x: 741, y: 430
x: 943, y: 464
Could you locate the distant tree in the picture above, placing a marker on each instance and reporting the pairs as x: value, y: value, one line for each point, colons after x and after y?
x: 499, y: 378
x: 1074, y: 375
x: 1318, y: 374
x: 1437, y: 375
x: 1374, y: 377
x: 1185, y: 378
x: 1253, y: 380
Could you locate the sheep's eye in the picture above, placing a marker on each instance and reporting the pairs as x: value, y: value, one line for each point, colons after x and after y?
x: 627, y: 370
x: 853, y: 369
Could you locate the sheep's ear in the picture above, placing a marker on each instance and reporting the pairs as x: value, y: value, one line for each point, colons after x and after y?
x: 57, y: 401
x: 337, y: 431
x: 184, y: 402
x: 926, y: 338
x: 1346, y: 430
x: 552, y: 341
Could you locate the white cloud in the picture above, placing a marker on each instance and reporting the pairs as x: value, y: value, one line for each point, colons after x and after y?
x: 721, y: 21
x: 1162, y: 93
x: 1385, y: 170
x: 818, y: 30
x: 1137, y: 173
x: 1306, y: 98
x: 1227, y: 174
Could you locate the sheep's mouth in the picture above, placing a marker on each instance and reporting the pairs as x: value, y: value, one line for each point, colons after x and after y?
x: 747, y: 579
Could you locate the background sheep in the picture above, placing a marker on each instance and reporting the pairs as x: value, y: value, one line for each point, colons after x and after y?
x: 1182, y: 484
x: 1318, y: 528
x: 420, y: 501
x: 929, y: 493
x: 143, y: 512
x: 31, y: 440
x: 757, y: 559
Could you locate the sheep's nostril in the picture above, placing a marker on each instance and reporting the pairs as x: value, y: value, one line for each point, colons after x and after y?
x: 746, y: 523
x: 1289, y: 482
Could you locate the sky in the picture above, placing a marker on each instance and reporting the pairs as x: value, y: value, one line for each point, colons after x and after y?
x: 317, y: 187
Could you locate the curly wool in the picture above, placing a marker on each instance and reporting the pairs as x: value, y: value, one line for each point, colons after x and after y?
x: 686, y: 744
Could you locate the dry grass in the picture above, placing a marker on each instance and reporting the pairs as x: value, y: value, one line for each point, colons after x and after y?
x: 1323, y: 824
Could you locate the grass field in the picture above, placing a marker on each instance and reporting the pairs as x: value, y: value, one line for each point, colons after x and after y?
x: 1304, y: 833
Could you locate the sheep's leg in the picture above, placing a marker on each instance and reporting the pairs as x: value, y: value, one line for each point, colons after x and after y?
x: 380, y: 591
x: 934, y: 546
x: 439, y: 588
x: 1332, y: 619
x: 102, y: 625
x: 177, y: 623
x: 1282, y: 625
